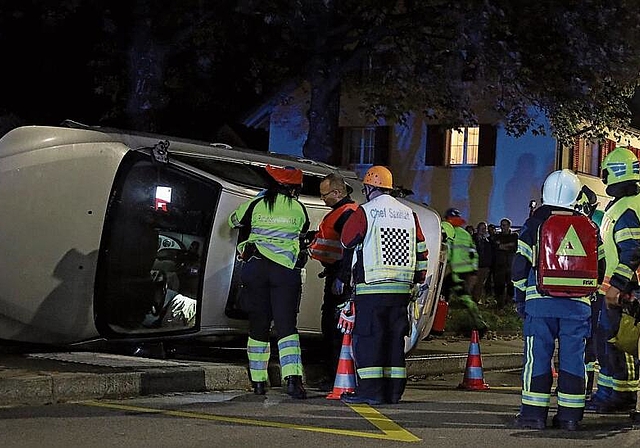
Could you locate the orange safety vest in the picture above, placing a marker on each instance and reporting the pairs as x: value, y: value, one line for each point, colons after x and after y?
x: 326, y: 246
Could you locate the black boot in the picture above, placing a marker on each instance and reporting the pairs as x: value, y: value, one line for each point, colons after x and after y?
x: 295, y: 388
x: 259, y: 387
x: 635, y: 418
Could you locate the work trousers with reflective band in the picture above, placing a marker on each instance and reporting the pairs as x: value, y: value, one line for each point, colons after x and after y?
x: 461, y: 298
x: 289, y: 353
x: 271, y: 292
x: 591, y: 349
x: 258, y: 353
x: 618, y: 375
x: 540, y: 335
x: 378, y: 345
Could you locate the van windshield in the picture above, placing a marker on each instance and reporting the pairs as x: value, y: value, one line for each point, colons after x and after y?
x: 152, y: 255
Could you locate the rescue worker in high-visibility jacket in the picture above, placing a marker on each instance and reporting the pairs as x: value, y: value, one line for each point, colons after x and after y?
x: 327, y: 249
x: 462, y: 269
x: 549, y: 319
x: 587, y: 204
x: 271, y: 275
x: 618, y: 375
x: 390, y: 258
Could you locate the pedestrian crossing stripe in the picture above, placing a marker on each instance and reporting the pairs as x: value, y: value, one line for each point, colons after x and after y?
x: 571, y: 246
x: 390, y: 429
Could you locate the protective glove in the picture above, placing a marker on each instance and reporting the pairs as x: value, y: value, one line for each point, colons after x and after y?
x: 182, y: 310
x: 337, y: 287
x: 347, y: 317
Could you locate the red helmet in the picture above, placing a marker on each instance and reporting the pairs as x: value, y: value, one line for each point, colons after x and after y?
x: 285, y: 176
x: 453, y: 212
x: 454, y: 216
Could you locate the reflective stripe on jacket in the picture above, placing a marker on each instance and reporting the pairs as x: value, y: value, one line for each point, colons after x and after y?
x: 326, y: 246
x: 464, y: 257
x: 389, y: 246
x: 275, y: 233
x: 620, y: 230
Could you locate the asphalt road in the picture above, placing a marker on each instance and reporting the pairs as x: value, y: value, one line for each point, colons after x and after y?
x: 433, y: 412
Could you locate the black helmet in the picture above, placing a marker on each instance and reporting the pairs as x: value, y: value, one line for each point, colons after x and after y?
x: 587, y: 201
x: 452, y: 212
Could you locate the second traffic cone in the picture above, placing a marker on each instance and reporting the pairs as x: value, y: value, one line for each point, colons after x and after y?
x: 345, y: 375
x: 473, y: 375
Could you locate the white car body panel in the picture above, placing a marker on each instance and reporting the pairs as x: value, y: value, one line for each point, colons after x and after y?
x: 57, y: 187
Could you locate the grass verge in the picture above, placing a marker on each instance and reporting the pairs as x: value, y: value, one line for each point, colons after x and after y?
x: 501, y: 321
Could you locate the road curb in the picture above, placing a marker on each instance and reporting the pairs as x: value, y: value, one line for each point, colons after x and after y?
x: 436, y: 365
x: 42, y: 388
x: 59, y: 387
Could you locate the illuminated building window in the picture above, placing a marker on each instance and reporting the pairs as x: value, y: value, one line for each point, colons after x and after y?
x: 463, y: 146
x: 468, y: 146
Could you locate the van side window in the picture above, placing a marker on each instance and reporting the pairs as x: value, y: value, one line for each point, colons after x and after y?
x: 245, y: 174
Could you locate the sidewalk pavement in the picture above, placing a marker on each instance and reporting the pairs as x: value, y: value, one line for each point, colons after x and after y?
x: 43, y: 378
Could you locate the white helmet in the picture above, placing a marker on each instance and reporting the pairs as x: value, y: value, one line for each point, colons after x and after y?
x: 561, y: 188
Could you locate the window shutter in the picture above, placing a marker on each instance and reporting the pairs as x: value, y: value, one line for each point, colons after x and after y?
x: 381, y: 148
x: 609, y: 145
x: 605, y: 148
x: 575, y: 157
x: 487, y: 145
x: 435, y: 150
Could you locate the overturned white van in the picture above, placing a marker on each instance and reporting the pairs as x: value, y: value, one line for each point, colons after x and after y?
x: 96, y: 222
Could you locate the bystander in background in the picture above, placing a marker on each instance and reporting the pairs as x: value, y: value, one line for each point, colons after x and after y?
x: 506, y: 245
x: 484, y: 247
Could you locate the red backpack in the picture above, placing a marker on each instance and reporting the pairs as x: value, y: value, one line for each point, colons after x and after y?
x: 567, y: 256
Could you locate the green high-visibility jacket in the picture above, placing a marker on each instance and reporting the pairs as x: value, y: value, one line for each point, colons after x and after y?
x: 275, y: 233
x: 618, y: 230
x: 463, y: 256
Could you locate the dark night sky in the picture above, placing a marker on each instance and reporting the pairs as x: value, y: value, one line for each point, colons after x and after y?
x: 57, y: 71
x: 63, y: 72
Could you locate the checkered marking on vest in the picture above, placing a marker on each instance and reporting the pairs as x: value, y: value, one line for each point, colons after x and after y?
x: 395, y: 246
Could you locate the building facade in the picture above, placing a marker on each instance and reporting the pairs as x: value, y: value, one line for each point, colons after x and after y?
x: 480, y: 170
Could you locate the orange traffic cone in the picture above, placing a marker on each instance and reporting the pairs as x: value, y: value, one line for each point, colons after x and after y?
x: 554, y: 372
x: 345, y: 376
x: 473, y: 375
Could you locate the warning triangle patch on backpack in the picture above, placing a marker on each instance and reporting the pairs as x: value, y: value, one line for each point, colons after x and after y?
x: 567, y: 256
